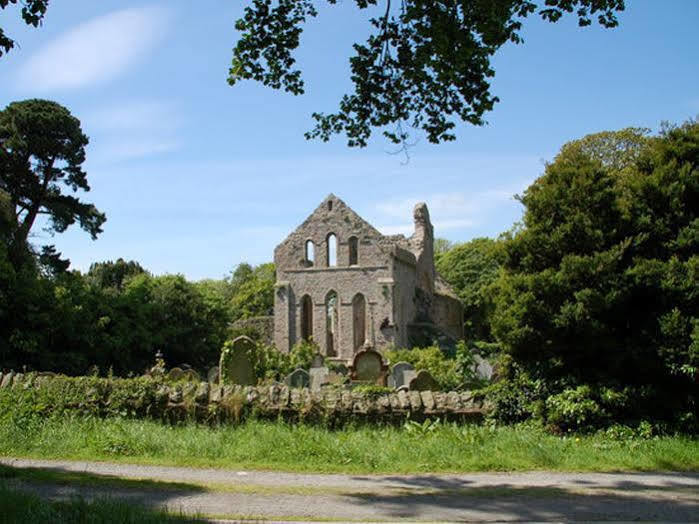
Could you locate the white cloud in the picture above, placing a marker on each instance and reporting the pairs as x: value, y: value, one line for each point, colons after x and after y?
x: 454, y: 211
x: 96, y: 51
x: 128, y: 129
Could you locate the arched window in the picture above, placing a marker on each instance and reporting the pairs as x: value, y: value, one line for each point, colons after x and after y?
x: 306, y: 318
x: 353, y: 251
x: 331, y: 324
x: 310, y: 253
x: 332, y: 250
x: 358, y: 320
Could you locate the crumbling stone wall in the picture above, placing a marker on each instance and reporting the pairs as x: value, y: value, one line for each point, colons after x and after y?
x: 210, y: 402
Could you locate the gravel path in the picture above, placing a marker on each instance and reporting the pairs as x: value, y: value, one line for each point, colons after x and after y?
x: 534, y: 496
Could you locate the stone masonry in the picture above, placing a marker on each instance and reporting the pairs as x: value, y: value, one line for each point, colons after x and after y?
x: 343, y: 284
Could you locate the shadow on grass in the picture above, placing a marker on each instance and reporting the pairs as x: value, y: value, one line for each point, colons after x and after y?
x: 59, y: 484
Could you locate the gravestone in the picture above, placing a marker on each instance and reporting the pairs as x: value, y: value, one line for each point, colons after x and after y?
x: 235, y: 366
x: 368, y: 366
x: 298, y: 378
x: 175, y: 374
x: 423, y: 381
x: 318, y: 361
x: 318, y: 376
x: 212, y: 376
x: 401, y: 374
x: 190, y: 375
x: 483, y: 368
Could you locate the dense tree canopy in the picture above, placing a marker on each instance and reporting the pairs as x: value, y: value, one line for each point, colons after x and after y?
x: 425, y: 64
x: 42, y: 149
x: 470, y: 268
x: 601, y: 285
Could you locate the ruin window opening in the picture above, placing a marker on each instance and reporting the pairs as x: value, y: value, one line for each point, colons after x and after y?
x: 353, y: 251
x: 330, y: 205
x: 358, y: 321
x: 332, y: 250
x: 331, y: 324
x: 306, y: 318
x: 310, y: 253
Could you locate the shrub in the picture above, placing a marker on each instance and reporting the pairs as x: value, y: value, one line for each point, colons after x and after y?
x: 575, y: 409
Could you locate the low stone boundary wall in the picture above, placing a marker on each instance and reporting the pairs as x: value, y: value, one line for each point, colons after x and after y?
x: 210, y: 402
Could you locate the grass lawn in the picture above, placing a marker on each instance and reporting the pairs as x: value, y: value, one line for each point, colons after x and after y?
x: 281, y: 446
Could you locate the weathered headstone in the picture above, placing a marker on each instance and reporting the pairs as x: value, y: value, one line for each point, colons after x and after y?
x: 318, y: 361
x: 175, y: 374
x: 212, y: 375
x: 483, y: 368
x: 298, y: 378
x: 235, y: 366
x: 423, y: 381
x: 7, y: 379
x: 401, y: 374
x: 368, y: 366
x: 319, y: 376
x: 190, y: 375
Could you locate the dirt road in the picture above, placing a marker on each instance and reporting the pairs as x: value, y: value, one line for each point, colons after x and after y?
x: 535, y: 496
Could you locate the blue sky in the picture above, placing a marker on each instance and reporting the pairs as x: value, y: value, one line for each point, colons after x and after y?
x: 196, y: 176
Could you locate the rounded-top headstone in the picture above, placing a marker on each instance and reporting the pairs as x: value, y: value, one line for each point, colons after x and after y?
x: 175, y: 374
x: 424, y: 381
x: 236, y: 365
x: 368, y: 366
x: 190, y: 375
x: 399, y: 375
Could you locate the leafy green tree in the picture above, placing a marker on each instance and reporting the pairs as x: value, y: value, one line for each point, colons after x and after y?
x: 178, y: 320
x: 42, y: 148
x: 33, y: 12
x: 441, y: 246
x: 601, y: 284
x: 113, y: 274
x: 252, y: 291
x: 471, y: 268
x: 424, y: 64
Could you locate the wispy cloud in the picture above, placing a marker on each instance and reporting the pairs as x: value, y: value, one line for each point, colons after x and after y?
x: 454, y: 211
x: 129, y: 129
x: 96, y: 51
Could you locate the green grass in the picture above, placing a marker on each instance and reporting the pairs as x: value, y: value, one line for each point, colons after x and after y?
x: 21, y: 507
x: 281, y: 446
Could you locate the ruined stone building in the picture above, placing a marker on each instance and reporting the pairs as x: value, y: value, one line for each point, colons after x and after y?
x: 342, y: 283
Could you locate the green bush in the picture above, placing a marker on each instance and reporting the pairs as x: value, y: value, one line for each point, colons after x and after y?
x: 272, y: 364
x: 574, y: 409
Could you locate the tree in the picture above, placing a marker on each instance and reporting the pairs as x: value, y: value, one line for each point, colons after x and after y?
x: 42, y: 148
x: 33, y: 12
x: 425, y: 63
x: 113, y: 274
x: 253, y: 291
x: 600, y: 287
x: 471, y: 268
